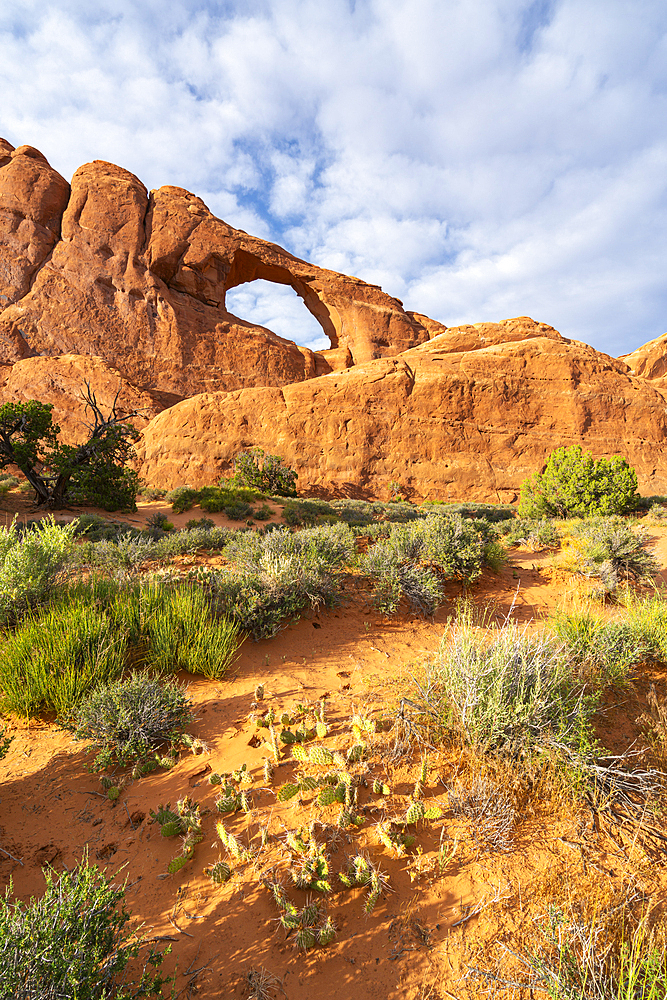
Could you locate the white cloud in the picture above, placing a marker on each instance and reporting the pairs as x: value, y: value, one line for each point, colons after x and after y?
x: 279, y: 308
x: 479, y: 159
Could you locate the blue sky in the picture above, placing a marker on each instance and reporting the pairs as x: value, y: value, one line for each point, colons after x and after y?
x: 479, y: 159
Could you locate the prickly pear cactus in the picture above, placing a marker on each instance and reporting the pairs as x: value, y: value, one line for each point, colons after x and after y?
x: 176, y: 864
x: 305, y: 938
x: 327, y: 796
x: 415, y: 812
x: 172, y: 828
x: 327, y: 932
x: 288, y: 791
x: 220, y: 872
x: 322, y: 756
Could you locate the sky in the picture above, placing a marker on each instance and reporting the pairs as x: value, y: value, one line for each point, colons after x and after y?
x: 478, y: 159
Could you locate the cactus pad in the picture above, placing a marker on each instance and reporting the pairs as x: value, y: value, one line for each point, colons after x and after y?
x: 288, y: 791
x: 305, y: 938
x: 300, y: 753
x: 220, y: 872
x: 327, y: 932
x: 176, y: 864
x: 321, y: 756
x: 415, y: 812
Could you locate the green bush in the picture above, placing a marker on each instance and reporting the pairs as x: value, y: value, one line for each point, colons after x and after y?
x: 7, y: 483
x: 297, y: 513
x: 128, y: 720
x: 94, y: 632
x: 239, y: 511
x: 493, y: 512
x: 54, y: 658
x: 573, y: 484
x: 182, y: 634
x: 203, y: 523
x: 416, y: 557
x: 277, y: 574
x: 509, y: 692
x: 266, y: 473
x: 182, y: 498
x: 29, y: 564
x: 607, y: 650
x: 533, y: 533
x: 74, y: 942
x: 614, y: 551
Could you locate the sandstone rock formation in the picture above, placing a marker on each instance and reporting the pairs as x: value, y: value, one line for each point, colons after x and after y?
x: 650, y: 360
x: 33, y: 197
x: 60, y: 381
x: 140, y: 280
x: 108, y: 283
x: 471, y: 422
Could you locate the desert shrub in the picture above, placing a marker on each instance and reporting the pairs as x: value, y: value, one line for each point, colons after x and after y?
x: 357, y: 513
x: 55, y: 657
x: 95, y: 528
x: 152, y: 493
x: 74, y: 942
x: 277, y: 574
x: 266, y: 473
x: 400, y: 512
x: 192, y: 540
x: 239, y: 511
x: 30, y: 563
x: 263, y: 513
x: 128, y: 720
x: 323, y: 548
x: 129, y: 551
x: 606, y: 955
x: 258, y: 603
x: 297, y: 513
x: 92, y: 633
x: 158, y: 519
x: 202, y: 523
x: 606, y: 650
x: 492, y: 512
x: 395, y: 577
x: 612, y: 550
x: 533, y: 533
x: 647, y: 617
x: 574, y: 484
x: 7, y: 483
x: 649, y: 503
x: 508, y: 691
x: 414, y: 559
x: 182, y: 633
x: 182, y: 498
x: 495, y: 555
x: 490, y: 809
x: 217, y: 498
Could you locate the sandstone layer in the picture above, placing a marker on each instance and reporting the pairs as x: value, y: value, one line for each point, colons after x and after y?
x: 61, y: 382
x: 106, y: 283
x: 445, y: 422
x: 139, y: 279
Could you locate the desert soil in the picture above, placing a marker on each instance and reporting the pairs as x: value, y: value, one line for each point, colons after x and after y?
x: 430, y: 925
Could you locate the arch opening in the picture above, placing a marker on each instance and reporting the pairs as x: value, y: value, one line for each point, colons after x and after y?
x: 280, y: 309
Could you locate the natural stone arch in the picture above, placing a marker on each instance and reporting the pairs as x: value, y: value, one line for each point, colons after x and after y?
x: 246, y: 267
